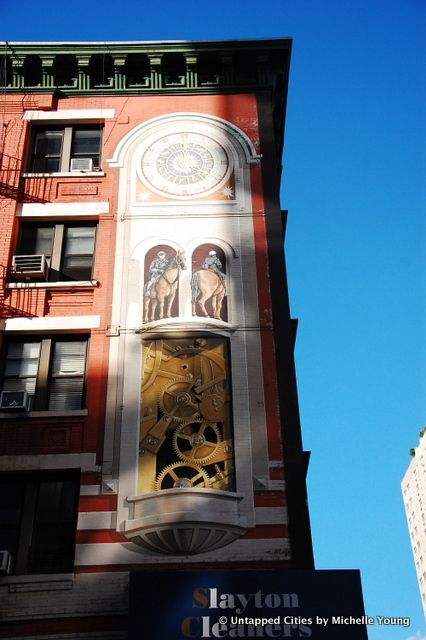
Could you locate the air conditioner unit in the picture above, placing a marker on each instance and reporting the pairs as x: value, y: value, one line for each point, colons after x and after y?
x: 31, y: 266
x: 5, y: 562
x: 14, y: 400
x: 81, y: 164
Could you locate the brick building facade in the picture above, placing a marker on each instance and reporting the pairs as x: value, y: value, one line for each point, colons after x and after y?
x: 149, y: 416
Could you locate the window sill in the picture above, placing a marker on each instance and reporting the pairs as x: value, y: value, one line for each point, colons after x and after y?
x: 76, y: 284
x: 74, y: 413
x: 66, y: 174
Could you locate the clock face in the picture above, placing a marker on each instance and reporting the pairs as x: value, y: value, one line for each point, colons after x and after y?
x: 184, y: 165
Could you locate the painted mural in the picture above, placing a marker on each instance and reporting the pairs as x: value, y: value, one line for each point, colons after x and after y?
x: 209, y: 282
x: 163, y: 266
x: 186, y: 431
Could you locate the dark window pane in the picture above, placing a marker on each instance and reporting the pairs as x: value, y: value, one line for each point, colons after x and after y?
x: 49, y: 502
x: 36, y: 240
x: 86, y: 144
x: 52, y: 547
x: 79, y: 240
x: 45, y: 165
x: 51, y: 165
x: 78, y: 262
x: 68, y: 501
x: 12, y: 496
x: 86, y: 141
x: 39, y: 510
x: 52, y: 550
x: 21, y: 367
x: 67, y: 382
x: 46, y: 151
x: 66, y: 394
x: 53, y: 537
x: 22, y: 359
x: 69, y: 358
x: 79, y: 244
x: 48, y: 143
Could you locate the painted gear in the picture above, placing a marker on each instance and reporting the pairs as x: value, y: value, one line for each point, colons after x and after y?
x: 196, y: 443
x: 177, y: 400
x: 212, y: 407
x: 181, y: 475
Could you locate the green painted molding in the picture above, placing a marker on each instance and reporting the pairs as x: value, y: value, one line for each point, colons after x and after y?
x: 200, y: 66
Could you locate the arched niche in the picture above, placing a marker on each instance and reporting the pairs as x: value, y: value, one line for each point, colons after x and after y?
x: 209, y: 286
x: 162, y: 268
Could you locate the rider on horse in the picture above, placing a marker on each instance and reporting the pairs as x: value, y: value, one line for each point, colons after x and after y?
x: 213, y: 263
x: 156, y: 269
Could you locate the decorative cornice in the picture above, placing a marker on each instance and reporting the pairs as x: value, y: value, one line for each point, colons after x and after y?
x: 202, y: 66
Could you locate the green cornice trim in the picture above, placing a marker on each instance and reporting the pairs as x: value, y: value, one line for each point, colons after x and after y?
x: 200, y: 66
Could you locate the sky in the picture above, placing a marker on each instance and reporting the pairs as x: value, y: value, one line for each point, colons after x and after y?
x: 354, y: 184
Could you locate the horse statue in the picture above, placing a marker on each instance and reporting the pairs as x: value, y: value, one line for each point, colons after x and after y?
x: 163, y: 291
x: 207, y: 284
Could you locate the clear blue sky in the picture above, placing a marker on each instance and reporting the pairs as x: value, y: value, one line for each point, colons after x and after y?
x: 354, y: 184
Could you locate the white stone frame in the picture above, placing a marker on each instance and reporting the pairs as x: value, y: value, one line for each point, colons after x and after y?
x: 184, y: 227
x: 222, y: 131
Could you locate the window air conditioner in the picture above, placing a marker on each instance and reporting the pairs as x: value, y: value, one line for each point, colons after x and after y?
x: 29, y: 266
x: 81, y: 164
x: 5, y: 562
x: 14, y: 400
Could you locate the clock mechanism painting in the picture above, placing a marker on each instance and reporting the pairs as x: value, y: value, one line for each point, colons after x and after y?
x: 186, y: 435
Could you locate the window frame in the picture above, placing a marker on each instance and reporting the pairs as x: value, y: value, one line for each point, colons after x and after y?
x: 58, y: 246
x: 65, y: 154
x: 28, y: 521
x: 40, y: 399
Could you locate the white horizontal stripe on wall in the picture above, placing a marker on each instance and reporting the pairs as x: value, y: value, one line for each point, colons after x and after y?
x: 83, y: 461
x: 68, y: 115
x: 97, y: 520
x: 53, y: 323
x: 128, y: 553
x: 271, y: 515
x: 34, y: 209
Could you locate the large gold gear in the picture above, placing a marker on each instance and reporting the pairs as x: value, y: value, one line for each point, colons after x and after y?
x: 178, y: 401
x: 181, y: 475
x: 196, y: 443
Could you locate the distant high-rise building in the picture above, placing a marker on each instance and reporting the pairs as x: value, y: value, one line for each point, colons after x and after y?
x: 414, y: 494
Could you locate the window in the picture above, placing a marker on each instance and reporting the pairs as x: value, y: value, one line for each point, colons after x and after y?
x: 53, y: 148
x: 38, y: 517
x: 68, y: 249
x: 50, y: 370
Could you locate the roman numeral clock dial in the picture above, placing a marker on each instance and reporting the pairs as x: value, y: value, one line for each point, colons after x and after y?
x: 185, y: 165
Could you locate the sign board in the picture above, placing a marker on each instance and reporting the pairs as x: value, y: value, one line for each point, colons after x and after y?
x: 246, y: 604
